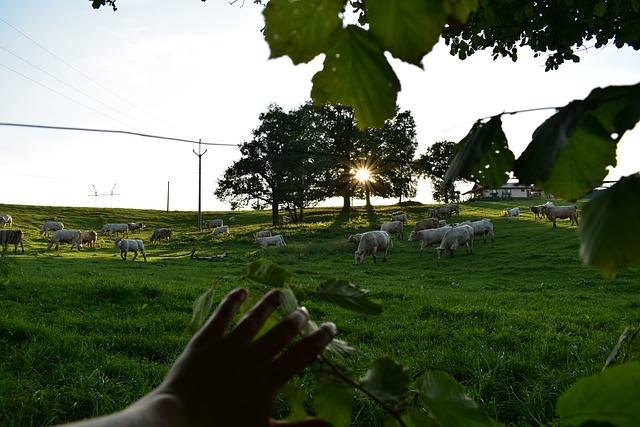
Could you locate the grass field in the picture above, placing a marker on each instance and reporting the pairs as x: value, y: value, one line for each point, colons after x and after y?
x: 86, y: 333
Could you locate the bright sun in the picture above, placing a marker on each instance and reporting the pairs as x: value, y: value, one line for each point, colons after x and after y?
x: 363, y: 174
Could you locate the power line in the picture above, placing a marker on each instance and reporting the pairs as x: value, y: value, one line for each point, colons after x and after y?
x: 68, y: 85
x: 124, y: 132
x: 65, y: 96
x: 83, y: 74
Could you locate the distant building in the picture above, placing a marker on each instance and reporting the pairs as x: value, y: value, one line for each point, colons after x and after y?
x: 507, y: 191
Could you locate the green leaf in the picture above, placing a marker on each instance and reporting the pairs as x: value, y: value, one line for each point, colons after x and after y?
x: 356, y: 73
x: 288, y: 301
x: 549, y: 141
x: 201, y: 310
x: 448, y: 404
x: 333, y: 400
x: 582, y: 166
x: 387, y: 380
x: 610, y: 397
x: 407, y: 29
x: 600, y: 9
x: 570, y: 151
x: 301, y: 29
x: 295, y: 396
x: 267, y: 272
x: 610, y: 237
x: 341, y: 348
x: 349, y: 296
x: 483, y: 156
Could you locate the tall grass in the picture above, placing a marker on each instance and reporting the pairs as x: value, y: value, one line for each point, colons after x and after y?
x: 84, y: 333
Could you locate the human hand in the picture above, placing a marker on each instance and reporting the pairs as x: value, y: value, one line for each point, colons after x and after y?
x: 232, y: 380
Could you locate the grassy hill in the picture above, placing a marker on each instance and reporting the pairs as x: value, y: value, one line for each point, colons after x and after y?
x: 84, y: 333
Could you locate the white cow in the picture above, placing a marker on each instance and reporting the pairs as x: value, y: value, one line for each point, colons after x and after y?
x: 393, y: 227
x: 513, y: 212
x: 562, y: 212
x: 70, y: 236
x: 263, y: 233
x: 105, y: 229
x: 276, y: 240
x: 429, y: 237
x: 213, y: 223
x: 119, y: 228
x: 483, y: 227
x: 135, y: 226
x: 371, y: 243
x: 5, y: 219
x: 130, y: 245
x: 460, y: 235
x: 51, y: 226
x: 221, y: 230
x: 354, y: 238
x: 401, y: 216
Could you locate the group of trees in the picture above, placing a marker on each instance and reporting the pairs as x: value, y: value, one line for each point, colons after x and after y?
x: 301, y: 157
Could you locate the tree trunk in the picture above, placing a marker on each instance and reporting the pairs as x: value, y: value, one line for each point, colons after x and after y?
x: 367, y: 197
x: 346, y: 202
x: 275, y: 218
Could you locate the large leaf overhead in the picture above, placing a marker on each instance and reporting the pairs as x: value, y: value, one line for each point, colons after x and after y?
x: 357, y: 73
x: 610, y: 238
x: 483, y: 156
x: 570, y: 151
x: 301, y: 29
x: 407, y: 29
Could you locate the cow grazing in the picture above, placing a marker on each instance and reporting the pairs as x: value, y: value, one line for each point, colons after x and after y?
x: 161, y: 233
x: 460, y: 235
x: 130, y: 245
x: 483, y: 227
x: 264, y: 242
x: 371, y: 243
x: 427, y: 223
x: 400, y: 216
x: 11, y: 237
x: 263, y: 233
x: 69, y: 236
x: 50, y: 226
x: 354, y: 238
x: 135, y: 226
x: 221, y: 230
x: 393, y: 227
x: 213, y: 223
x: 429, y: 237
x: 89, y: 237
x: 563, y: 212
x: 123, y: 228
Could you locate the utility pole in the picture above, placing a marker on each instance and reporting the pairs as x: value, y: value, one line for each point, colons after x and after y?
x: 167, y: 196
x: 199, y: 154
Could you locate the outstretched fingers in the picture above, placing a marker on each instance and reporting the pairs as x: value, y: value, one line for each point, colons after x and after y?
x: 302, y: 354
x: 221, y: 318
x: 251, y: 323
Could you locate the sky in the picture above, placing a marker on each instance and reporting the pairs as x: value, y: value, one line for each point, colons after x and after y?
x: 200, y: 71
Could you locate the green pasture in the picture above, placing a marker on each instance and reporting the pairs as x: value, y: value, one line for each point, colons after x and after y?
x: 84, y: 333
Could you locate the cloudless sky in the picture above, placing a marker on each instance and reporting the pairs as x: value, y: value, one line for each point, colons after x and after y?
x: 198, y: 70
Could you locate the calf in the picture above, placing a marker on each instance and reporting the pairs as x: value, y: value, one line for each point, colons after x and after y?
x: 393, y: 227
x: 513, y: 212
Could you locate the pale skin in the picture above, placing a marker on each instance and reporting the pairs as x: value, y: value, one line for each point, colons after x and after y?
x: 229, y: 379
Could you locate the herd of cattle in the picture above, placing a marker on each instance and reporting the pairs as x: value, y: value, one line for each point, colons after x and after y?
x: 428, y: 232
x: 434, y: 230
